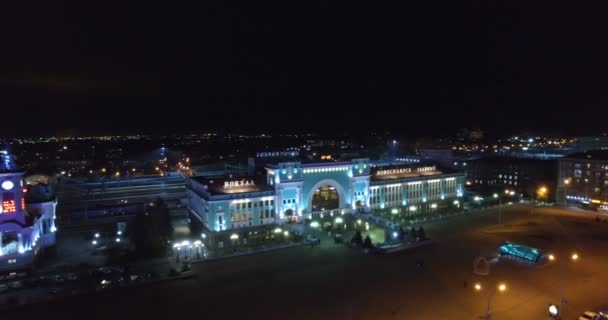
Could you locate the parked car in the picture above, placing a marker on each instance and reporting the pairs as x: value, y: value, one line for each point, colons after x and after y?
x: 71, y: 277
x: 15, y: 284
x: 104, y: 284
x: 590, y: 315
x: 3, y: 288
x: 58, y: 279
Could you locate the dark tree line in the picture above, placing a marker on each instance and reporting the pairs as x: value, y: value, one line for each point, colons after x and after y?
x: 151, y: 230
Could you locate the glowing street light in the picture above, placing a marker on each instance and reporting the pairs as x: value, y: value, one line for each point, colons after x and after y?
x: 339, y: 220
x: 553, y: 311
x: 551, y: 257
x: 502, y: 287
x: 315, y: 224
x: 478, y: 287
x: 278, y: 230
x: 574, y: 256
x: 234, y: 236
x: 495, y: 195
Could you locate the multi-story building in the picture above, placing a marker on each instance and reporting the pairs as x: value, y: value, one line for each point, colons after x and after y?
x: 25, y: 230
x: 295, y: 190
x: 522, y: 175
x: 583, y: 179
x: 586, y: 144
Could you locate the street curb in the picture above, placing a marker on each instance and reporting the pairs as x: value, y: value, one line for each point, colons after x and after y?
x: 307, y: 243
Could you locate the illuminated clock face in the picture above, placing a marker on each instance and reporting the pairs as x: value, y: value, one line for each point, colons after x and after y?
x: 7, y: 185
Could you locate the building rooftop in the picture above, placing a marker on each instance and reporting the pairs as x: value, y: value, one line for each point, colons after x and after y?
x: 594, y: 155
x: 235, y: 185
x: 407, y: 171
x: 7, y: 162
x: 315, y: 164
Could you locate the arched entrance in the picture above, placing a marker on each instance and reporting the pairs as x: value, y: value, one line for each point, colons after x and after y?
x: 325, y: 198
x: 289, y: 214
x: 326, y: 195
x: 360, y: 205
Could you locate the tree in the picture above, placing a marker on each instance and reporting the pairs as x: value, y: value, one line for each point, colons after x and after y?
x: 357, y: 238
x: 401, y: 234
x: 367, y: 243
x: 150, y: 231
x: 420, y: 233
x: 413, y: 233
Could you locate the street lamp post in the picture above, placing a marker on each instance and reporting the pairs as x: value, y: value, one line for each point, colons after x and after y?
x: 499, y: 288
x: 541, y: 192
x: 574, y: 257
x: 497, y: 196
x: 566, y: 184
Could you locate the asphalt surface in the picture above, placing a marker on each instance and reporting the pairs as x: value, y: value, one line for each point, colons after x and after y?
x: 335, y: 282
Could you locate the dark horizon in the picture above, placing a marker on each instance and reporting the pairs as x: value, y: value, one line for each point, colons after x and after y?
x: 416, y: 69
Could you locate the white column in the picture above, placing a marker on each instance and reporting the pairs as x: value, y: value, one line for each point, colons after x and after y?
x: 20, y: 246
x: 299, y: 201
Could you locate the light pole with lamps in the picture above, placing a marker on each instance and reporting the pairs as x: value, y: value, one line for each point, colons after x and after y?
x: 566, y: 184
x: 540, y: 193
x: 573, y: 257
x: 501, y: 287
x: 497, y: 196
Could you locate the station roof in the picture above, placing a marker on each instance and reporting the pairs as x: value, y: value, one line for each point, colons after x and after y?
x: 592, y: 155
x: 234, y: 185
x: 315, y: 164
x: 407, y: 171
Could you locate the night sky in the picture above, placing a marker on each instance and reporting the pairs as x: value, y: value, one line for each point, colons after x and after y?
x: 418, y: 67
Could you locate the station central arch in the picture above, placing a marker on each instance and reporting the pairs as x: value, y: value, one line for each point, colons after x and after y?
x: 326, y: 194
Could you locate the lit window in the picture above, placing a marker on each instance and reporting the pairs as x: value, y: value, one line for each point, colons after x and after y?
x: 9, y: 206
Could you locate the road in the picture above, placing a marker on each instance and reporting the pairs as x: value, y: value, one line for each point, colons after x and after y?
x: 334, y: 282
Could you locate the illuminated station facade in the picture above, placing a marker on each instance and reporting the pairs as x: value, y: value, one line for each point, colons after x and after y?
x: 25, y: 229
x: 294, y: 191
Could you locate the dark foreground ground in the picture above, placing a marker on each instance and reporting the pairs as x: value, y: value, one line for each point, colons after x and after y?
x: 334, y: 282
